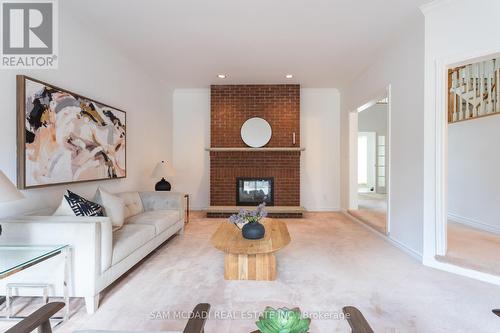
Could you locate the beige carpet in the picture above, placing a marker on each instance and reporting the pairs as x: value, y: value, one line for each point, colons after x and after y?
x: 372, y: 210
x: 376, y: 220
x: 330, y: 263
x: 467, y: 247
x: 373, y: 201
x: 472, y: 248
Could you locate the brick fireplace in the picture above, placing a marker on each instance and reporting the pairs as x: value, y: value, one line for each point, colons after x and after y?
x: 230, y: 158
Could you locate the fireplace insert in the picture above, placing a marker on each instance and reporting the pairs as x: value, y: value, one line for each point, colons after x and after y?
x: 254, y: 191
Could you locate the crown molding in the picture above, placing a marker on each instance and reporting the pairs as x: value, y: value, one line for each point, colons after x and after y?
x: 428, y: 7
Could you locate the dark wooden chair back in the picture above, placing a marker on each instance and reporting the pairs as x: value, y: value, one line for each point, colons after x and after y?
x: 356, y: 320
x: 39, y: 319
x: 196, y: 323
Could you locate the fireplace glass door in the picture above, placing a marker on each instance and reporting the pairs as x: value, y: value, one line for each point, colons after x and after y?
x: 254, y: 191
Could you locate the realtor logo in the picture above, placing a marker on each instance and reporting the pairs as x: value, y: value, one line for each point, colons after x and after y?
x: 29, y: 34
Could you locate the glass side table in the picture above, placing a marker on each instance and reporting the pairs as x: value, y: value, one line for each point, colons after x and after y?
x: 14, y: 259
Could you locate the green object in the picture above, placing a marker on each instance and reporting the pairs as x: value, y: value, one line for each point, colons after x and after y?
x: 283, y: 320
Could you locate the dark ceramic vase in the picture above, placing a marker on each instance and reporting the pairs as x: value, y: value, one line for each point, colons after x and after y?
x: 253, y: 230
x: 163, y: 185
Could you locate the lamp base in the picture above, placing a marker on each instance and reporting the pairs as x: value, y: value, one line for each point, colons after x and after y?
x: 163, y: 185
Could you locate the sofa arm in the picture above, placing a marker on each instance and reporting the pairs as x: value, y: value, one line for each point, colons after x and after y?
x: 90, y: 239
x: 163, y: 200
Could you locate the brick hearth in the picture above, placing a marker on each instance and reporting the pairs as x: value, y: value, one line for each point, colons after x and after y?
x: 231, y: 106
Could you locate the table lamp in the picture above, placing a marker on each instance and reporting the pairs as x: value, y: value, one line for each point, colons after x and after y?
x: 8, y: 192
x: 163, y: 170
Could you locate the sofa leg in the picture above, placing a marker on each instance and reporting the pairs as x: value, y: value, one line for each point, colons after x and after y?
x: 92, y: 303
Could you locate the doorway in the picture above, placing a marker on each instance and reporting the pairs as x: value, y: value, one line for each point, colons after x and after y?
x: 369, y: 166
x: 472, y: 119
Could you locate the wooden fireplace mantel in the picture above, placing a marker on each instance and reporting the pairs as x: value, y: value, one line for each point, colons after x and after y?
x: 243, y: 149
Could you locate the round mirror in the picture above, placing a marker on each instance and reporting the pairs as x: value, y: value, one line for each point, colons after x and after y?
x: 256, y: 132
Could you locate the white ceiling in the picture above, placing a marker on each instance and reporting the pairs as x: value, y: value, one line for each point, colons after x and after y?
x: 324, y: 43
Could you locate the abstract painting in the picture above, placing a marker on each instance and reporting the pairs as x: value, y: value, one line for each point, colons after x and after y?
x: 66, y: 138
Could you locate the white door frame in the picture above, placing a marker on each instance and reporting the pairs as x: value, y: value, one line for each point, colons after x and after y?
x: 436, y: 132
x: 353, y: 152
x: 353, y: 160
x: 441, y: 151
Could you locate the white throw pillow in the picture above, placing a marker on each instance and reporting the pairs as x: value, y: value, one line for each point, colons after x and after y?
x: 114, y: 207
x: 64, y: 209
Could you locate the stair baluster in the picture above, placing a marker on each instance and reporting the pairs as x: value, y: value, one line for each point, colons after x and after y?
x: 474, y: 90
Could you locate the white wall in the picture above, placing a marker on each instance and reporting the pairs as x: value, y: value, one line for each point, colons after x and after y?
x: 191, y: 135
x: 319, y: 134
x: 401, y: 65
x: 473, y: 177
x: 373, y: 119
x: 320, y: 163
x: 448, y: 41
x: 94, y: 68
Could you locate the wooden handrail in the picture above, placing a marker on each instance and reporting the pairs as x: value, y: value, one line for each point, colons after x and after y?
x: 356, y: 320
x: 39, y: 319
x: 196, y: 323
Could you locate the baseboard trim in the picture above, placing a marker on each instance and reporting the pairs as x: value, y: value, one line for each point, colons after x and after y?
x: 410, y: 252
x: 466, y: 272
x: 473, y: 223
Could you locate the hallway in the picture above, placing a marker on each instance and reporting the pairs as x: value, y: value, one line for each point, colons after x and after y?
x: 372, y: 210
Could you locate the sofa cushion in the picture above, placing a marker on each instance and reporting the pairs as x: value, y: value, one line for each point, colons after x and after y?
x: 133, y: 203
x: 114, y: 206
x: 160, y: 219
x: 129, y: 238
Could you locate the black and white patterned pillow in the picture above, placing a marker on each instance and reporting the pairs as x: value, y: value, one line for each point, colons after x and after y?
x: 82, y: 206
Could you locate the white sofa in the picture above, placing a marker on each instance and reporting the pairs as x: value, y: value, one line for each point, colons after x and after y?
x: 99, y: 255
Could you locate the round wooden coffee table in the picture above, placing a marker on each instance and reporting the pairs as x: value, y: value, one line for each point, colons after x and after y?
x: 251, y: 259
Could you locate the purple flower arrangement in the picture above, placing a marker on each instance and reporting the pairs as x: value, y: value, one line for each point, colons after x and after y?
x: 247, y: 216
